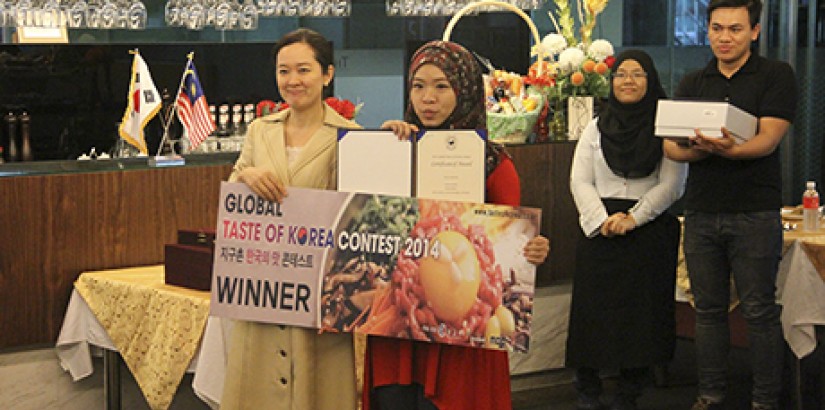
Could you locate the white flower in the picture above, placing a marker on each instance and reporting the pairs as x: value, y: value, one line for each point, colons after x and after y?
x: 553, y: 43
x: 599, y: 50
x: 571, y: 59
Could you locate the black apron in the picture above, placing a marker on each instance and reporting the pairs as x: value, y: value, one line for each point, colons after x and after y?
x: 622, y: 311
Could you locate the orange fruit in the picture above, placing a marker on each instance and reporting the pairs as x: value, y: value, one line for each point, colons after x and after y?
x: 601, y: 68
x: 577, y: 78
x: 588, y: 66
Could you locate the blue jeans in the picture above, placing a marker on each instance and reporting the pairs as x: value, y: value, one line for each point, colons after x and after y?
x: 747, y: 245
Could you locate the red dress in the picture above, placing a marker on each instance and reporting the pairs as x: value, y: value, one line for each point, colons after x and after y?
x: 453, y: 377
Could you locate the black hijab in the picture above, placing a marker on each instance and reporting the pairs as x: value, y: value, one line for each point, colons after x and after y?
x: 629, y: 146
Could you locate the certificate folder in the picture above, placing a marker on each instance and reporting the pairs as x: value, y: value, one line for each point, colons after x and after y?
x: 374, y: 161
x: 450, y: 165
x: 437, y: 164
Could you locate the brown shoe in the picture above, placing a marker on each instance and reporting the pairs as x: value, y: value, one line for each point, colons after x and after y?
x: 705, y: 404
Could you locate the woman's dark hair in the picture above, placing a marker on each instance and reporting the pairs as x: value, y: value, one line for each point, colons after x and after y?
x: 754, y: 8
x: 319, y: 44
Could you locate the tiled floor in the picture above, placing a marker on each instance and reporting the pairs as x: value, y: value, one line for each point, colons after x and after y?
x: 677, y: 392
x: 33, y: 380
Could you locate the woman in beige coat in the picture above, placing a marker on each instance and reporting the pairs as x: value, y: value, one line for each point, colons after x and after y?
x: 282, y: 367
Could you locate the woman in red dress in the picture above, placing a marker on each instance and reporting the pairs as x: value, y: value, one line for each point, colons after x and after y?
x: 446, y: 92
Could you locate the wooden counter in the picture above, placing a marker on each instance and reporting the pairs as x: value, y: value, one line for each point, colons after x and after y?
x: 54, y: 226
x: 544, y: 170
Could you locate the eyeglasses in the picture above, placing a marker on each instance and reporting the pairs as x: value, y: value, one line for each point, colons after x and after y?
x: 636, y: 75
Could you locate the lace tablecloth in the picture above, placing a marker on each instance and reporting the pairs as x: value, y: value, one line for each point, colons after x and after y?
x: 156, y: 327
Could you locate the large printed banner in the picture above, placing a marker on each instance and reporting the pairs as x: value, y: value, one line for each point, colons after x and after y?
x: 437, y: 271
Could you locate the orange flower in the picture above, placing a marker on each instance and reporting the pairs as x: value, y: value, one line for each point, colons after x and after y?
x: 577, y: 78
x: 601, y: 68
x: 588, y: 66
x: 546, y: 69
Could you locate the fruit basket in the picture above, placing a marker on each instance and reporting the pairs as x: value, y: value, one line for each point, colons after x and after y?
x: 516, y: 127
x: 506, y: 127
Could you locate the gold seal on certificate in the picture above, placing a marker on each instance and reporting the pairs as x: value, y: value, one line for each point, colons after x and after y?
x: 450, y: 165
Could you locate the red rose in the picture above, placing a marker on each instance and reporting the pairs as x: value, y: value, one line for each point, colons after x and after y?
x: 610, y: 60
x: 343, y: 107
x: 265, y: 107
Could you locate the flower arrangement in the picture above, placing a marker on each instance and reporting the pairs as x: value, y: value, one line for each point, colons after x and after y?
x: 266, y: 107
x: 573, y: 67
x: 342, y: 106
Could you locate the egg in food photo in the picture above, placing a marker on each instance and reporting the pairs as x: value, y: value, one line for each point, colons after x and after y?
x: 452, y: 289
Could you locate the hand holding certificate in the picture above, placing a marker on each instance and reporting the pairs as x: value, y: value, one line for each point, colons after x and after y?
x: 449, y: 164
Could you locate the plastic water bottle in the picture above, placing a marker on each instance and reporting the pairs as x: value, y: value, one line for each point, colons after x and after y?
x: 810, y: 207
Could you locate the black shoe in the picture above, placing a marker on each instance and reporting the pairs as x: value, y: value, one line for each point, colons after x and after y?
x: 705, y: 404
x: 622, y: 403
x: 586, y: 402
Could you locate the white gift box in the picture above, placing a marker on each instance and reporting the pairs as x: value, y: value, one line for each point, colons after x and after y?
x: 678, y: 119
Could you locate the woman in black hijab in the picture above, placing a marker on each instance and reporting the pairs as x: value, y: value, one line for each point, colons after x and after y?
x: 621, y: 315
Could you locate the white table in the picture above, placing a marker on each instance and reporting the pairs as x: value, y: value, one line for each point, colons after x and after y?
x: 801, y: 291
x: 131, y: 313
x: 82, y: 336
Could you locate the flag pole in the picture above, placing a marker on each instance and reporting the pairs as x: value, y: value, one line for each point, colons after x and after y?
x: 189, y: 58
x: 134, y: 52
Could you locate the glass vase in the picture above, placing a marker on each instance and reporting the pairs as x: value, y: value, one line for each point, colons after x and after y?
x: 558, y: 124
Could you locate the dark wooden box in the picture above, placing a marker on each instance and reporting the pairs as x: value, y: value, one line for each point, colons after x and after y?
x: 189, y: 266
x: 196, y: 237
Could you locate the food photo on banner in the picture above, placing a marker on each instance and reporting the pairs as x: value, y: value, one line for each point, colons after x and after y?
x: 423, y: 269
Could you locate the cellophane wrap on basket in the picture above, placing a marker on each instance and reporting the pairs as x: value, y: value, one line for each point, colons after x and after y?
x: 512, y: 128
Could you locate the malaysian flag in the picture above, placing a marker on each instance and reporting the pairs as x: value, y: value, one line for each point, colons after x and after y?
x: 193, y: 110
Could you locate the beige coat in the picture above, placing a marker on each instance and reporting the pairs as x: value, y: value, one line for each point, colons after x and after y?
x: 281, y: 367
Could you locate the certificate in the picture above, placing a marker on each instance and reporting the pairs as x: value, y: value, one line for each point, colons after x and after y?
x: 374, y: 161
x: 450, y: 165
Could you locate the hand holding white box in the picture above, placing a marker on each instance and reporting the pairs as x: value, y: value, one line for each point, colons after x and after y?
x: 679, y: 119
